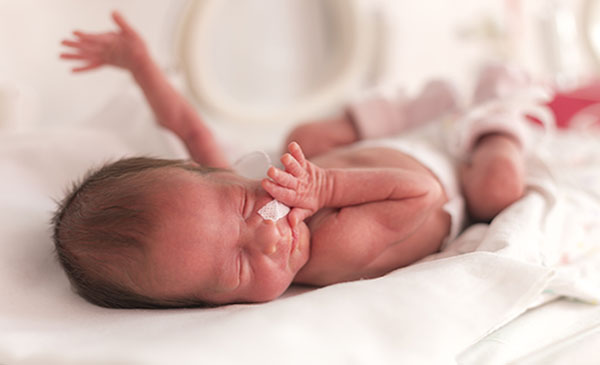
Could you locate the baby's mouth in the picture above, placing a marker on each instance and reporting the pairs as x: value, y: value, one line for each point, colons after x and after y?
x: 288, y: 233
x: 294, y: 241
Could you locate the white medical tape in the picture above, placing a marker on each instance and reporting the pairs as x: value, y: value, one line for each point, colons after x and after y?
x: 273, y: 210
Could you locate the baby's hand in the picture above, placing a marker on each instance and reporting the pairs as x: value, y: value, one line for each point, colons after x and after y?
x: 123, y: 48
x: 303, y: 185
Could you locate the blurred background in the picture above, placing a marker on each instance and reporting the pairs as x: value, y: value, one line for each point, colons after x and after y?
x: 275, y: 62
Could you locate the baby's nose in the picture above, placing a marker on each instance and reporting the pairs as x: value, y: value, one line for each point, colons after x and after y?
x: 266, y: 238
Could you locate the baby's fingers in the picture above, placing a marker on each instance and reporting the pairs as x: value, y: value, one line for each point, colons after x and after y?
x: 296, y: 151
x: 85, y: 36
x: 292, y: 165
x: 298, y: 215
x: 278, y: 192
x: 81, y: 46
x: 94, y: 39
x: 122, y: 23
x: 282, y: 178
x: 73, y: 56
x: 73, y: 44
x: 90, y: 66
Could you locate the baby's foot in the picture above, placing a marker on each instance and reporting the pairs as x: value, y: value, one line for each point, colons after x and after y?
x: 494, y: 178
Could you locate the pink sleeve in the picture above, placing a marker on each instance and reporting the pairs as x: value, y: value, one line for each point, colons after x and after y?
x: 466, y: 133
x: 377, y: 116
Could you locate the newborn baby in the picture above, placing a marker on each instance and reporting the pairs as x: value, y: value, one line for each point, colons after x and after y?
x: 152, y: 233
x: 175, y: 233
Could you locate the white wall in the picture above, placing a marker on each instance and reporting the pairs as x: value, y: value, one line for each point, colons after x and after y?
x: 455, y: 38
x: 432, y: 38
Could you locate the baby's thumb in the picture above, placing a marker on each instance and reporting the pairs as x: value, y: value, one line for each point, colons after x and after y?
x: 298, y: 215
x: 121, y: 23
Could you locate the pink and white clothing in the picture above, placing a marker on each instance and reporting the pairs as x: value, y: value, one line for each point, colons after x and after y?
x: 436, y: 131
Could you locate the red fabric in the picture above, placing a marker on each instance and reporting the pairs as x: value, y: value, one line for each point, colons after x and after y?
x: 566, y: 105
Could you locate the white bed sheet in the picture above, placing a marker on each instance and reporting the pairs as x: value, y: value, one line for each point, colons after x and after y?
x: 437, y: 311
x: 559, y: 332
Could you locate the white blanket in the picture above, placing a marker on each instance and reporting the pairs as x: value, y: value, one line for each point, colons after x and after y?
x: 545, y: 245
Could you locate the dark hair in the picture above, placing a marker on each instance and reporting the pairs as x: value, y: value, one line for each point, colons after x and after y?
x: 100, y: 227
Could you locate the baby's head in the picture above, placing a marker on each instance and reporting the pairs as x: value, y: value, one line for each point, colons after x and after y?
x: 153, y: 233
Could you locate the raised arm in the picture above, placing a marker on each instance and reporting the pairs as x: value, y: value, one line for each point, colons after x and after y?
x: 126, y: 49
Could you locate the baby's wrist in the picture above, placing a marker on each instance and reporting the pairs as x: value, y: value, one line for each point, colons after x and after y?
x: 326, y: 184
x: 140, y: 63
x: 141, y: 68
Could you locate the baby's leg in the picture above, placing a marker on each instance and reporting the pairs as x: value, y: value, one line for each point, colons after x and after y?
x: 493, y: 179
x: 321, y: 136
x: 495, y: 139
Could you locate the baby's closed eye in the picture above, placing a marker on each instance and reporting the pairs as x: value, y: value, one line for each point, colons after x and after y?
x: 244, y: 205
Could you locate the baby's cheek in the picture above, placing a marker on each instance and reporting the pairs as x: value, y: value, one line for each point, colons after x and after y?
x: 269, y: 286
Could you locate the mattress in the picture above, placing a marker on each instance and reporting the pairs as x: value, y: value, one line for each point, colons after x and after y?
x: 537, y: 263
